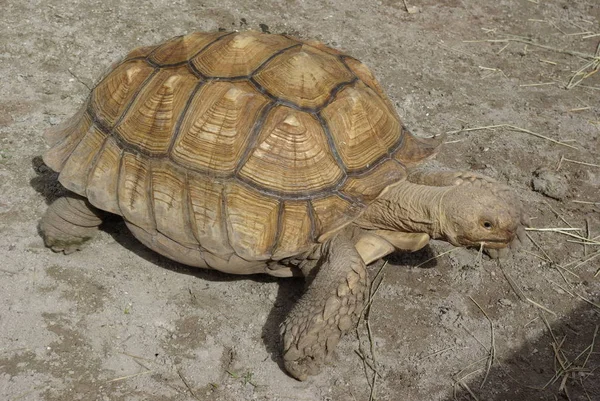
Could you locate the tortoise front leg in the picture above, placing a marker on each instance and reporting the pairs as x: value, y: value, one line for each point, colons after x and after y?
x: 69, y: 222
x: 330, y: 307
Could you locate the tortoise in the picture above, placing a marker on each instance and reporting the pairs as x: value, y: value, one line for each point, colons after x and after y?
x: 250, y: 153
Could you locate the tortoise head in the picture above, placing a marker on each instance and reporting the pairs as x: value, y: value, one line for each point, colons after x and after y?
x: 472, y: 215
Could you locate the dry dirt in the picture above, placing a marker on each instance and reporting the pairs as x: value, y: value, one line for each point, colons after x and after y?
x: 117, y: 322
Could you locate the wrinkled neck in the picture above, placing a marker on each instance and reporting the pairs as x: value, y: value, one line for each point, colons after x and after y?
x: 409, y: 207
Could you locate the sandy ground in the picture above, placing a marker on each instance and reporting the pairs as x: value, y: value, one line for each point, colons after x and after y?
x: 117, y: 322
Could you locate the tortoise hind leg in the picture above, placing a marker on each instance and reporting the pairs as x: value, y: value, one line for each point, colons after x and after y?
x: 328, y: 309
x: 69, y: 222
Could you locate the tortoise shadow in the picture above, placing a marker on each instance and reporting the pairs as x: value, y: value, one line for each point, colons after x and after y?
x: 45, y: 181
x: 530, y: 372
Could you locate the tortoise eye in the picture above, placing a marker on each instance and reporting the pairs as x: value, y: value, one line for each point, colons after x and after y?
x: 487, y: 225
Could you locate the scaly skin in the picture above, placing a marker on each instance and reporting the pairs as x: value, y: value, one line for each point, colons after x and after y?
x: 448, y: 178
x: 469, y: 180
x: 463, y: 208
x: 69, y: 223
x: 329, y: 308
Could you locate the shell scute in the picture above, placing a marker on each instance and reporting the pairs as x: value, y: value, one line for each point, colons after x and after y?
x: 182, y: 48
x: 65, y: 137
x: 102, y: 183
x: 332, y: 213
x: 304, y: 76
x: 296, y: 233
x: 368, y: 186
x: 74, y: 174
x: 291, y: 154
x: 361, y: 125
x: 139, y: 52
x: 151, y: 120
x: 367, y: 77
x: 170, y: 202
x: 239, y: 55
x: 134, y: 190
x: 251, y: 221
x: 323, y: 47
x: 208, y: 214
x: 414, y: 150
x: 219, y: 120
x: 114, y: 93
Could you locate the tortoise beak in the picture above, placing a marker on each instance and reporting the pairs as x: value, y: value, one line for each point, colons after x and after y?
x: 501, y: 241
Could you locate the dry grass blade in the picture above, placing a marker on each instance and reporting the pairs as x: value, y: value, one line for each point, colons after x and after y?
x: 588, y: 301
x: 590, y: 68
x: 513, y: 128
x: 585, y: 260
x: 512, y: 283
x: 492, y: 351
x: 372, y: 291
x: 187, y: 384
x: 567, y: 232
x: 585, y: 56
x: 503, y: 48
x: 591, y: 347
x: 586, y: 71
x: 586, y: 202
x: 136, y: 357
x: 539, y: 247
x: 540, y: 306
x: 362, y: 357
x: 464, y: 385
x: 579, y: 162
x: 585, y: 240
x: 538, y: 84
x: 436, y: 257
x: 461, y: 381
x: 476, y: 339
x: 535, y: 255
x: 365, y: 316
x: 565, y: 368
x: 558, y: 356
x: 129, y: 376
x: 561, y: 287
x: 79, y: 79
x: 552, y: 229
x: 584, y: 243
x: 456, y: 375
x: 436, y: 353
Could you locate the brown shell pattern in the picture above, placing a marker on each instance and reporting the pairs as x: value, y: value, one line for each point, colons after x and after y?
x: 247, y: 143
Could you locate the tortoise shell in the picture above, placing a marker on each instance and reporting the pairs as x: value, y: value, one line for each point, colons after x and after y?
x: 250, y: 144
